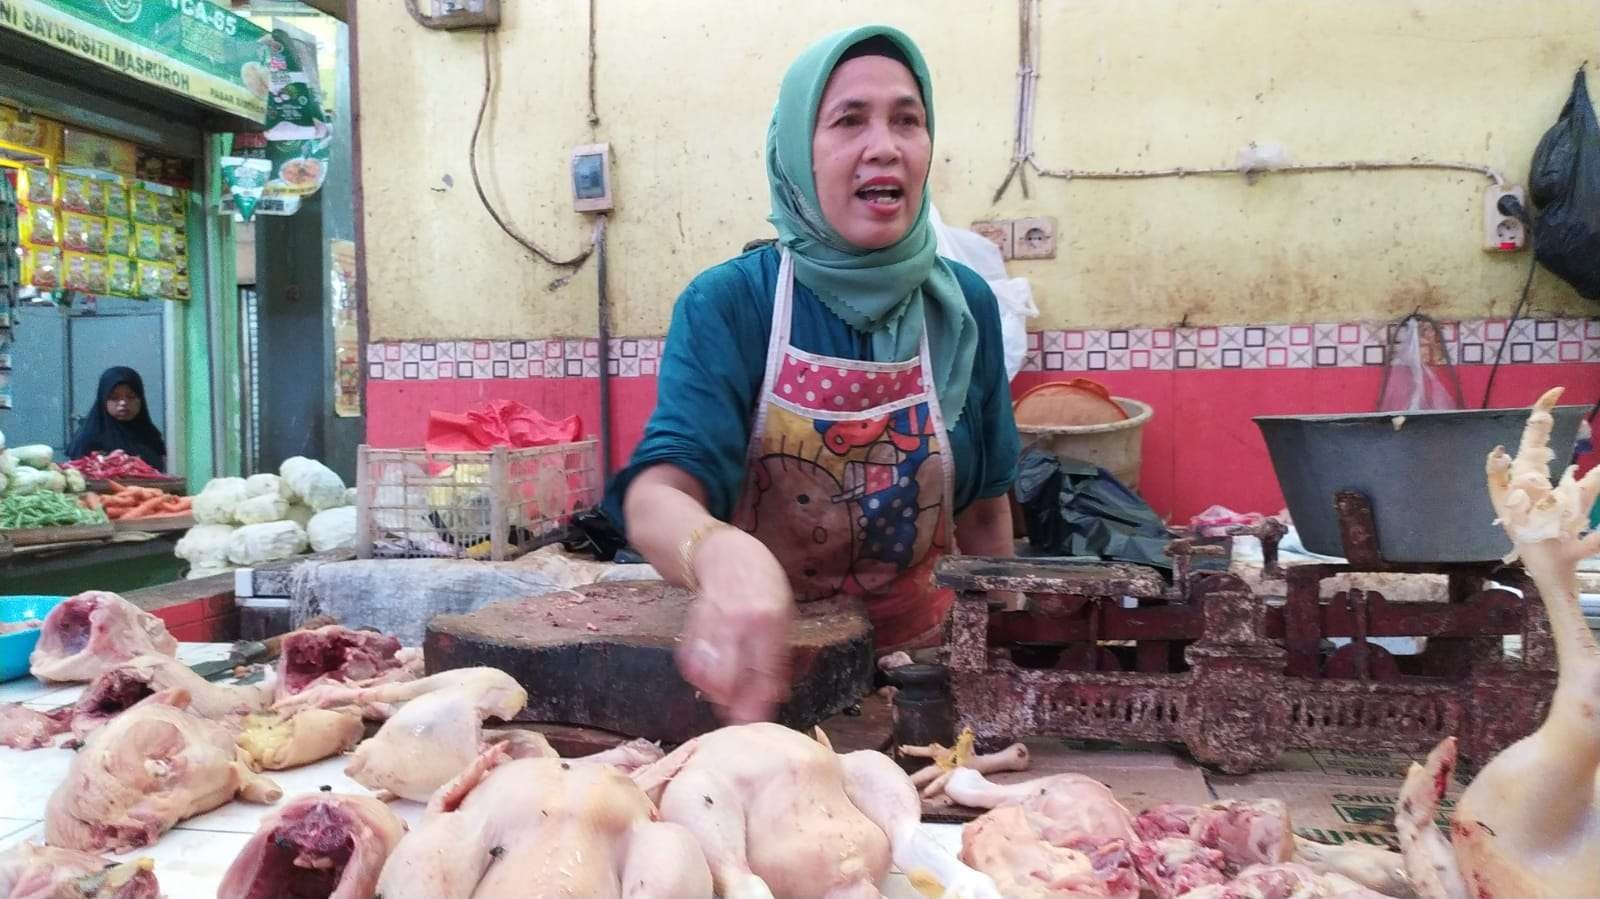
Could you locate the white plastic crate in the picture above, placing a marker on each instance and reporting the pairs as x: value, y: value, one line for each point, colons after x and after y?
x: 490, y: 505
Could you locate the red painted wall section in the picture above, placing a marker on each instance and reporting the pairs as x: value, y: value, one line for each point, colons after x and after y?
x: 1200, y: 448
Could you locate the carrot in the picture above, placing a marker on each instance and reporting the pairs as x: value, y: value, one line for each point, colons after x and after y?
x: 145, y: 509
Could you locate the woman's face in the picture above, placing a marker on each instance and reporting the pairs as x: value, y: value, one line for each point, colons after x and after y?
x: 870, y: 150
x: 123, y: 404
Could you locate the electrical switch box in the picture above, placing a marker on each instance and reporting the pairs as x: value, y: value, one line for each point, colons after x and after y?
x: 591, y: 178
x: 1035, y: 238
x: 999, y: 233
x: 453, y: 14
x: 1503, y: 232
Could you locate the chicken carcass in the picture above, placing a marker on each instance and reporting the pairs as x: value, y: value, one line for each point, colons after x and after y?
x: 336, y: 655
x: 25, y: 728
x: 845, y: 816
x: 93, y: 631
x: 120, y: 687
x: 317, y: 846
x: 1255, y: 832
x: 29, y: 871
x: 543, y: 827
x: 1062, y: 833
x: 1529, y: 824
x: 436, y: 733
x: 149, y: 768
x: 1286, y: 880
x: 274, y: 741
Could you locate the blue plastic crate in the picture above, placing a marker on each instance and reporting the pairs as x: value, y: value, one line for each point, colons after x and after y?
x: 15, y: 648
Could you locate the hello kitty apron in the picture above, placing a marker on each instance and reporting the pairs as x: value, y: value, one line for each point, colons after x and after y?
x: 849, y: 480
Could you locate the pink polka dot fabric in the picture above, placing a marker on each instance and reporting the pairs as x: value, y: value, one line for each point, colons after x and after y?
x: 840, y: 388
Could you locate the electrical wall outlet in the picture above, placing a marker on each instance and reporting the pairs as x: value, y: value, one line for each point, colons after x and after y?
x: 1034, y: 238
x: 1502, y: 233
x: 1000, y: 233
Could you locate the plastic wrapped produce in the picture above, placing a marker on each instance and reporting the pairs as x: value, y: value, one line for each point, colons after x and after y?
x: 299, y: 514
x: 317, y: 485
x: 268, y: 485
x: 200, y: 571
x: 254, y: 544
x: 205, y: 545
x: 220, y: 500
x: 333, y: 529
x: 262, y: 509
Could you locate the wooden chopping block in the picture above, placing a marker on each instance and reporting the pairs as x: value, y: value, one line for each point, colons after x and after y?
x: 602, y: 656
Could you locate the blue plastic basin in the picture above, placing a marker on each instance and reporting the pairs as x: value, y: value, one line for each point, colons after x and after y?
x: 15, y: 648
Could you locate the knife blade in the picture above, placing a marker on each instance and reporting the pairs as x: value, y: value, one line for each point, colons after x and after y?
x: 248, y: 652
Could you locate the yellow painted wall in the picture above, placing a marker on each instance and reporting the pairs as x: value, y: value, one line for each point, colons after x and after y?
x: 684, y: 91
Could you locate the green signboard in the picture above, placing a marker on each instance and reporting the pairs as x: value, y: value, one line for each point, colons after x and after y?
x: 190, y: 47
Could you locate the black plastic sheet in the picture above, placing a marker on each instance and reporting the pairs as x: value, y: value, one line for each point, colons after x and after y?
x: 1073, y: 508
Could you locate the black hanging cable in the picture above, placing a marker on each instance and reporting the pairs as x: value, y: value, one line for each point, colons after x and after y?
x: 1516, y: 315
x: 477, y: 184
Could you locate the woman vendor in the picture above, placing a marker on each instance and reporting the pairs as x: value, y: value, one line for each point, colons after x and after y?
x: 840, y: 398
x: 119, y: 420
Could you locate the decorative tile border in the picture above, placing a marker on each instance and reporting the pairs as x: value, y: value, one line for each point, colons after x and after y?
x: 1225, y: 347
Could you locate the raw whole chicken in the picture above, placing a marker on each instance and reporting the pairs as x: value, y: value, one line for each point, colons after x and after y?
x: 29, y: 871
x: 149, y: 768
x: 436, y: 733
x: 25, y: 728
x: 844, y: 816
x: 1062, y: 834
x: 1529, y: 824
x: 274, y: 741
x: 93, y: 631
x: 543, y: 827
x: 118, y: 688
x: 321, y: 845
x: 335, y: 653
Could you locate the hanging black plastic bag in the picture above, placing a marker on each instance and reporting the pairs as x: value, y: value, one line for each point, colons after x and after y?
x: 1564, y: 187
x: 1073, y: 508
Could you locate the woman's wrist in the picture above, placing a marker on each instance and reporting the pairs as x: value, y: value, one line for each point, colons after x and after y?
x: 689, y: 550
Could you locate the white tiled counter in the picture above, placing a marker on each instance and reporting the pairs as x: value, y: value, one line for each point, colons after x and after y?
x: 191, y: 859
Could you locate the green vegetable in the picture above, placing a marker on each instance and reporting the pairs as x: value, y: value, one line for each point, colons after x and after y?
x: 75, y: 481
x: 8, y: 463
x: 25, y: 481
x: 35, y: 455
x: 45, y: 510
x: 55, y: 482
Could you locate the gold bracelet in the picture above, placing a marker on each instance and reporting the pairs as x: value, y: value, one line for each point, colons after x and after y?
x: 691, y: 545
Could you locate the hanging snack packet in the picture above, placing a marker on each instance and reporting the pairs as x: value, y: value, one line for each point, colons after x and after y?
x: 146, y: 206
x: 169, y: 244
x: 169, y: 281
x: 147, y: 242
x: 178, y: 288
x: 119, y: 237
x: 148, y: 286
x: 44, y: 264
x: 40, y: 227
x: 76, y: 268
x: 119, y: 276
x: 176, y: 210
x: 75, y: 193
x: 41, y: 186
x: 97, y: 197
x: 116, y: 199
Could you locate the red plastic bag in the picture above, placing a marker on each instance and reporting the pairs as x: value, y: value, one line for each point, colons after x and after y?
x: 497, y: 423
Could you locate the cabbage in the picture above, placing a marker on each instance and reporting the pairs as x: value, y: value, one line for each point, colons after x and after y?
x: 217, y: 503
x: 314, y: 483
x: 299, y: 514
x: 261, y: 509
x: 75, y: 480
x: 333, y: 529
x: 54, y: 481
x: 205, y: 545
x: 25, y: 481
x: 257, y: 543
x: 34, y: 455
x: 8, y: 463
x: 267, y: 484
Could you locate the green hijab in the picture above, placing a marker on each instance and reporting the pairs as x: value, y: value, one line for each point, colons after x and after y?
x: 895, y: 293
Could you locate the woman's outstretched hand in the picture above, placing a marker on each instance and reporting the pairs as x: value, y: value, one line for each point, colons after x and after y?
x: 735, y: 646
